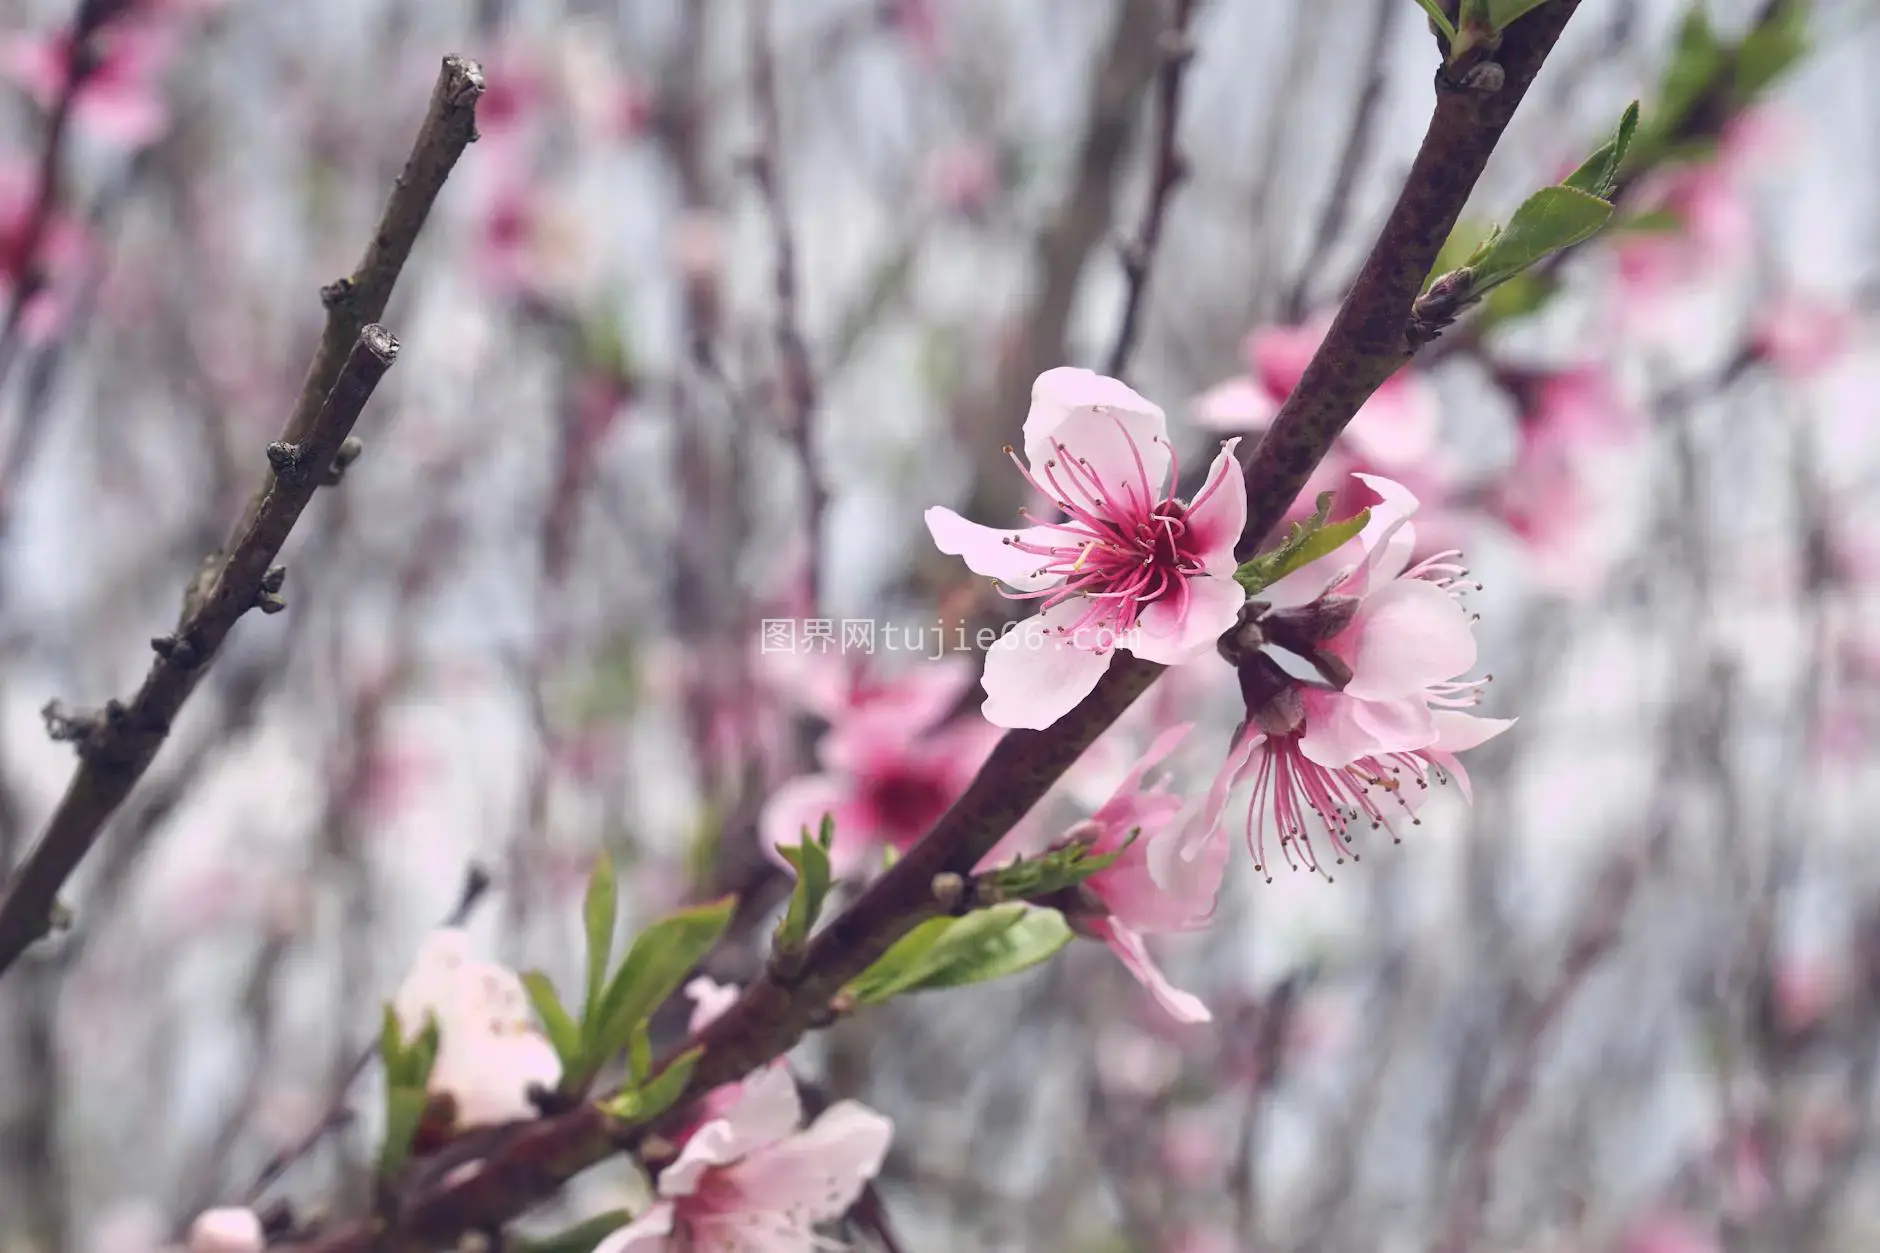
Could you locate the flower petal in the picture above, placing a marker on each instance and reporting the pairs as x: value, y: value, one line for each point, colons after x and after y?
x: 820, y: 1171
x: 1239, y: 404
x: 1034, y: 677
x: 988, y: 551
x: 1058, y: 393
x: 1397, y: 426
x: 1219, y: 513
x: 1115, y: 457
x: 1411, y: 635
x: 1177, y: 629
x: 1134, y: 954
x: 1458, y: 732
x: 649, y: 1233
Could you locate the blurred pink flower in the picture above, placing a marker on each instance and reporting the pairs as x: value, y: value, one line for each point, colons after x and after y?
x: 1802, y: 335
x: 917, y: 22
x: 225, y: 1231
x: 1130, y: 900
x: 1805, y: 991
x: 48, y: 262
x: 961, y: 177
x: 120, y: 98
x: 1394, y: 431
x: 1130, y: 567
x: 1668, y: 1231
x: 749, y: 1182
x: 1194, y: 1153
x: 888, y: 774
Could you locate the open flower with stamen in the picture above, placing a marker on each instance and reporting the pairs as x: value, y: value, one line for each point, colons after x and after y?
x: 1126, y: 566
x: 749, y: 1181
x: 1361, y: 745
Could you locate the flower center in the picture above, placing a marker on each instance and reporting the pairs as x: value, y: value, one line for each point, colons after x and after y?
x: 906, y: 802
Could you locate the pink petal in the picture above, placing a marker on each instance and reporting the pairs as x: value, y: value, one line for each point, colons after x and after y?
x: 1239, y: 404
x: 1388, y: 537
x: 765, y: 1110
x: 986, y: 551
x: 1397, y: 426
x: 1341, y: 729
x: 801, y: 803
x: 1059, y: 393
x: 820, y: 1171
x: 1411, y: 635
x: 1280, y: 354
x: 1458, y: 732
x: 1122, y: 457
x: 1034, y: 677
x: 1134, y: 954
x: 1178, y: 629
x: 1219, y: 513
x: 649, y: 1233
x: 1182, y: 899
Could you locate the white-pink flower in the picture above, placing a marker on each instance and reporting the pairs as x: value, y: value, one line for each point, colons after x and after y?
x: 1390, y: 644
x: 749, y: 1181
x: 1137, y: 821
x: 490, y: 1053
x: 1127, y: 566
x: 228, y: 1230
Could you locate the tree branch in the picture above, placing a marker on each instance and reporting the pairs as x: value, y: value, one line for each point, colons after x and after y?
x: 117, y: 745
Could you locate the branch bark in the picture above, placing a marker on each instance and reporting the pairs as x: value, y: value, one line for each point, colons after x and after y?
x: 118, y: 744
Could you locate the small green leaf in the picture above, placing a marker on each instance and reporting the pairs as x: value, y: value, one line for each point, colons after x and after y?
x: 560, y: 1027
x: 404, y: 1109
x: 1599, y: 174
x: 810, y: 859
x: 1651, y: 222
x: 1697, y: 59
x: 1308, y: 540
x: 1462, y: 243
x: 392, y: 1045
x: 661, y: 957
x: 1440, y: 20
x: 580, y: 1238
x: 953, y: 952
x: 640, y: 1054
x: 1547, y: 221
x: 1504, y: 13
x: 647, y: 1102
x: 1050, y: 872
x: 598, y: 916
x: 1035, y: 937
x: 421, y: 1056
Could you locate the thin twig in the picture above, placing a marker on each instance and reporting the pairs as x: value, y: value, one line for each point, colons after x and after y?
x: 1366, y: 342
x: 797, y: 381
x: 1169, y: 171
x: 117, y: 745
x: 1336, y: 210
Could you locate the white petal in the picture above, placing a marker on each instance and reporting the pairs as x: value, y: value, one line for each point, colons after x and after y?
x: 1411, y: 635
x: 1175, y: 630
x: 985, y: 550
x: 1034, y: 677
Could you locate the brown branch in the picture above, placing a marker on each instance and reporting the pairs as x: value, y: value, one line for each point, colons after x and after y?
x: 1168, y: 172
x: 797, y: 381
x: 1366, y: 342
x: 117, y: 745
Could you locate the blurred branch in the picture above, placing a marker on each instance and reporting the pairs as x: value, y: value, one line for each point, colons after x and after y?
x: 118, y: 744
x: 1169, y: 170
x: 797, y: 381
x: 1365, y: 344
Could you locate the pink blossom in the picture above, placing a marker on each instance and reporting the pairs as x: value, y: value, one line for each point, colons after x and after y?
x: 749, y: 1182
x: 1389, y: 641
x: 1129, y: 566
x: 962, y: 177
x: 1668, y: 1231
x: 226, y: 1231
x: 1395, y: 429
x: 47, y: 261
x: 887, y: 774
x: 120, y: 97
x: 1802, y: 335
x: 843, y: 689
x: 1131, y: 902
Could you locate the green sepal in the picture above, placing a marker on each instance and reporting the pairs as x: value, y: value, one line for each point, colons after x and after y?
x: 810, y: 860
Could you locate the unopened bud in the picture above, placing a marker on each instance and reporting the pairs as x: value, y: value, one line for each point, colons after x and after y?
x: 1273, y: 701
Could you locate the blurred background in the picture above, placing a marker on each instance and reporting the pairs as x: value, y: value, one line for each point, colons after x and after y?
x: 1629, y: 1001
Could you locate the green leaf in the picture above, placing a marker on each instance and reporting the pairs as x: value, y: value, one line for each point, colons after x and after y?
x: 580, y: 1238
x: 598, y: 915
x: 1768, y: 51
x: 1050, y: 872
x: 661, y: 957
x: 392, y: 1046
x: 810, y: 859
x: 953, y: 952
x: 404, y: 1109
x: 1504, y: 13
x: 647, y: 1102
x: 562, y: 1030
x: 1035, y: 937
x: 1440, y: 20
x: 1599, y: 174
x: 1651, y: 222
x: 1458, y: 248
x: 1547, y: 221
x: 1697, y: 59
x: 1308, y: 540
x: 640, y: 1054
